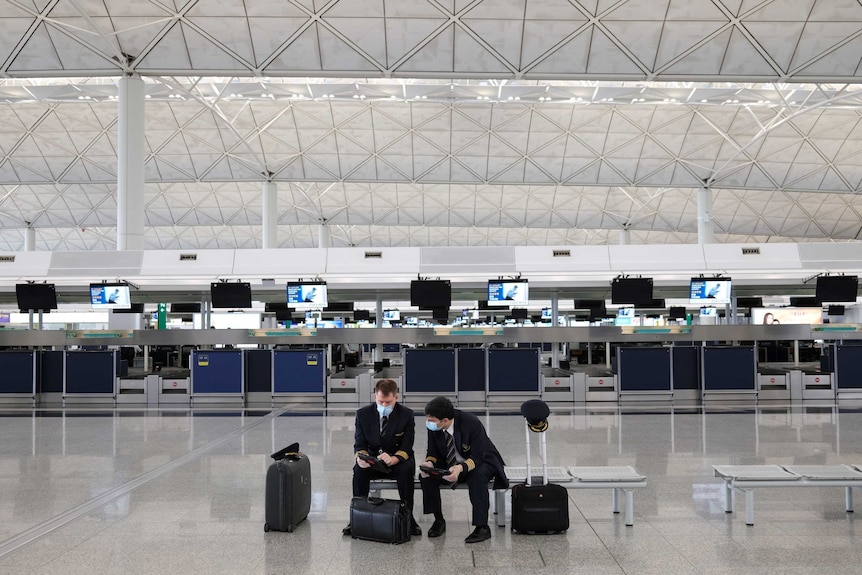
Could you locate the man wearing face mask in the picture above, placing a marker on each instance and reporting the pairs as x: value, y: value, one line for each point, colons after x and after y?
x: 457, y: 441
x: 385, y: 429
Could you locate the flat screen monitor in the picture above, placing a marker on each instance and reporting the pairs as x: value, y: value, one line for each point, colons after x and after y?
x: 597, y: 314
x: 284, y: 315
x: 440, y: 313
x: 709, y: 290
x: 511, y: 292
x: 709, y: 312
x: 275, y: 306
x: 186, y: 307
x: 519, y: 313
x: 230, y: 295
x: 634, y: 291
x: 589, y: 303
x: 412, y: 320
x: 391, y: 315
x: 110, y: 296
x: 803, y: 301
x: 837, y: 289
x: 470, y: 314
x: 835, y: 310
x: 133, y: 308
x: 361, y: 314
x: 36, y: 297
x: 749, y: 302
x: 676, y: 312
x: 431, y: 294
x: 307, y: 295
x: 339, y: 306
x: 546, y: 313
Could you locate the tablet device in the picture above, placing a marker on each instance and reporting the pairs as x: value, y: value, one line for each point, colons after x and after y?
x: 369, y: 458
x: 435, y: 471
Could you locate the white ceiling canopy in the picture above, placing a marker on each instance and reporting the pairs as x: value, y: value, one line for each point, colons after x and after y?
x: 432, y: 122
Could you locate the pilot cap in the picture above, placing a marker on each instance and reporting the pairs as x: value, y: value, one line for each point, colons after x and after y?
x: 536, y: 412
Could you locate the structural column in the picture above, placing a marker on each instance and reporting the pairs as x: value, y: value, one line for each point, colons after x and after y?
x: 29, y: 238
x: 323, y: 236
x: 270, y: 215
x: 625, y: 236
x: 704, y: 222
x: 130, y: 165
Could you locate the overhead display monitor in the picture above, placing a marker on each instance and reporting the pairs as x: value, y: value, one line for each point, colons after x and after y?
x: 838, y: 289
x: 110, y: 296
x: 786, y: 315
x: 230, y: 295
x: 361, y: 314
x: 634, y: 291
x: 36, y: 297
x: 307, y: 295
x: 749, y: 302
x: 391, y: 315
x: 431, y: 294
x: 709, y: 291
x: 676, y: 312
x: 519, y: 313
x: 708, y: 312
x: 511, y: 292
x: 546, y: 313
x: 589, y: 303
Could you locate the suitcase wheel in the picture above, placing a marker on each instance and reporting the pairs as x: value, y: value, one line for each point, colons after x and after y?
x: 266, y: 527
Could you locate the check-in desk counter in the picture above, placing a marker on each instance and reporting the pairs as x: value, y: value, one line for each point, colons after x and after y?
x: 350, y: 386
x: 217, y: 376
x: 557, y: 385
x: 299, y: 375
x: 644, y: 373
x: 600, y: 384
x: 20, y: 371
x: 132, y: 389
x: 174, y: 387
x: 471, y: 378
x: 848, y: 371
x: 773, y: 384
x: 427, y: 373
x: 90, y: 377
x: 729, y: 373
x: 513, y: 374
x: 817, y: 384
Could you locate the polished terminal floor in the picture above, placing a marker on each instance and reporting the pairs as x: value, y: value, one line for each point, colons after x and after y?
x: 130, y: 491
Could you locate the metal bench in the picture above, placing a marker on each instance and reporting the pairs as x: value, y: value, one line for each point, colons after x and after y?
x: 621, y: 479
x: 747, y: 478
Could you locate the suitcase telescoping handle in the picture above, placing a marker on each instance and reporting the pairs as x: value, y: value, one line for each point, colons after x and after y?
x: 536, y: 412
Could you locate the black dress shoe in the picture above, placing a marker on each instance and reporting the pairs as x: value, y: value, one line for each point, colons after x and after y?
x: 480, y: 533
x: 347, y: 530
x: 438, y: 528
x: 415, y: 530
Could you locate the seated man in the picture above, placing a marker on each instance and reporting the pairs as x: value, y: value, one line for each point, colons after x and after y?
x: 457, y: 441
x: 385, y: 429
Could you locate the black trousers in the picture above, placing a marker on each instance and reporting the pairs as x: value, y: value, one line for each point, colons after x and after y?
x: 402, y: 472
x: 477, y: 486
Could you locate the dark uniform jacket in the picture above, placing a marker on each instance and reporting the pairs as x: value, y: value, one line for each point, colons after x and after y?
x: 474, y: 445
x: 400, y: 432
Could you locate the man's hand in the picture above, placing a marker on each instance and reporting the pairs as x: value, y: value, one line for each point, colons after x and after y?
x: 389, y: 460
x: 454, y: 472
x: 362, y: 463
x: 424, y: 464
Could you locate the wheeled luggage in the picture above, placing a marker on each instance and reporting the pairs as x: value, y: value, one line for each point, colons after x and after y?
x: 542, y: 508
x: 288, y: 490
x: 376, y: 519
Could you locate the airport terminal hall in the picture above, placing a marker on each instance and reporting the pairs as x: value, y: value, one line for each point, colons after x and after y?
x: 430, y: 286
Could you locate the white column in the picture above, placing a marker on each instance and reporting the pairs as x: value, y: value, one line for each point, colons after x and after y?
x: 704, y: 223
x: 625, y: 236
x: 323, y: 236
x: 555, y: 310
x: 29, y: 238
x: 130, y: 165
x: 270, y: 215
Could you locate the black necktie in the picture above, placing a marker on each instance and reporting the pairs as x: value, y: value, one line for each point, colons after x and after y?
x: 383, y: 423
x: 450, y: 449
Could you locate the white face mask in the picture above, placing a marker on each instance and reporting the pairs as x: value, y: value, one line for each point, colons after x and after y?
x: 384, y: 411
x: 432, y: 425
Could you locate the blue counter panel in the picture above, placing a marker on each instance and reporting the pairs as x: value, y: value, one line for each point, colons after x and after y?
x: 429, y: 371
x: 217, y: 371
x: 848, y: 363
x: 728, y: 368
x: 471, y: 369
x: 686, y: 367
x: 19, y: 372
x: 513, y: 370
x: 644, y: 368
x: 51, y: 372
x: 299, y: 371
x: 90, y: 372
x: 258, y: 370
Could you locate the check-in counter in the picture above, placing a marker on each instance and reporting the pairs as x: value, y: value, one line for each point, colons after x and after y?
x: 299, y: 375
x: 601, y: 385
x: 217, y: 376
x: 773, y: 384
x: 644, y: 373
x: 351, y: 386
x: 132, y: 390
x: 20, y: 371
x: 557, y: 385
x: 90, y: 377
x: 817, y: 385
x: 848, y: 366
x: 174, y: 389
x: 427, y: 373
x: 513, y: 374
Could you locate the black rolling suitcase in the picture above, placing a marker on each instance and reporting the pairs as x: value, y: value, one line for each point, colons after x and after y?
x: 542, y: 508
x: 376, y: 519
x: 288, y: 490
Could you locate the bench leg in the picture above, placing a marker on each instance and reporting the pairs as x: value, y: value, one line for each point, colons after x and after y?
x: 848, y: 499
x: 615, y: 500
x: 728, y: 497
x: 630, y: 506
x: 749, y: 506
x: 500, y: 506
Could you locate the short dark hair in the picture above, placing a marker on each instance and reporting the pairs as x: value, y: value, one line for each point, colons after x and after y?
x: 440, y: 407
x: 386, y: 387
